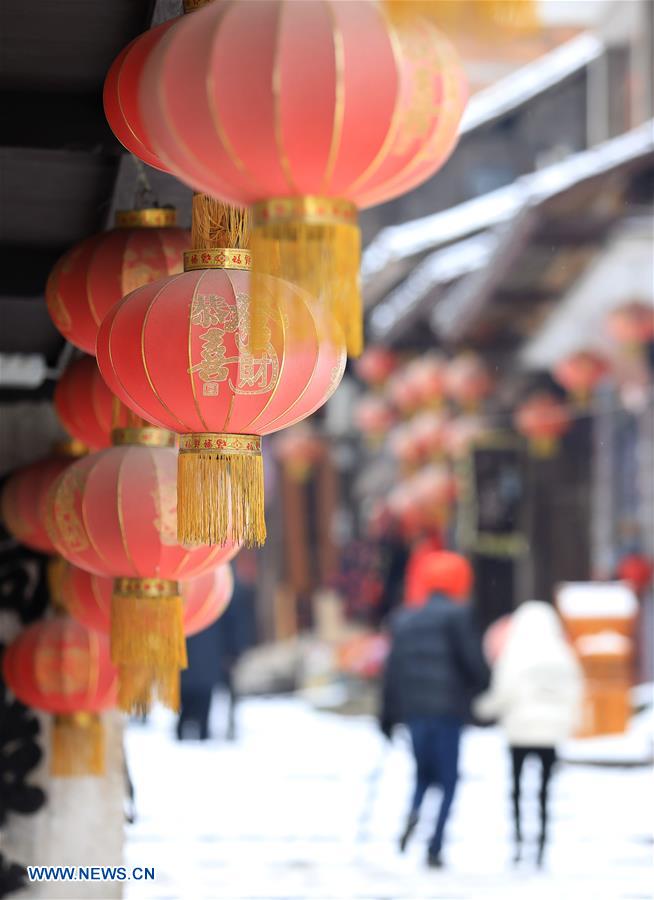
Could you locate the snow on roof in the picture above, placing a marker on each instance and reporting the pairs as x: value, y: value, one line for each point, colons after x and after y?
x: 499, y: 206
x: 624, y: 271
x: 438, y: 268
x: 529, y: 81
x: 593, y: 600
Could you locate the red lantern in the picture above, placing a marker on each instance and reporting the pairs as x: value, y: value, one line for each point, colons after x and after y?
x: 92, y: 277
x: 60, y: 667
x: 86, y: 407
x: 405, y: 446
x: 435, y: 488
x: 23, y: 501
x: 120, y: 95
x: 543, y: 420
x: 114, y: 513
x: 461, y: 434
x: 468, y: 382
x: 178, y: 353
x: 376, y: 365
x: 340, y: 108
x: 88, y: 598
x: 427, y: 375
x: 374, y: 417
x: 429, y: 430
x: 636, y: 569
x: 631, y: 325
x: 299, y: 449
x: 404, y: 507
x: 580, y: 373
x: 403, y: 394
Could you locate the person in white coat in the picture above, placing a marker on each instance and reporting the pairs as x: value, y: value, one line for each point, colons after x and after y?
x: 535, y: 694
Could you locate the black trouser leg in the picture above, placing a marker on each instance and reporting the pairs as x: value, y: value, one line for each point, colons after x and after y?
x: 518, y: 756
x: 547, y: 757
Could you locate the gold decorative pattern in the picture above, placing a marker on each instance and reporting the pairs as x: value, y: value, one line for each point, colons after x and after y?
x: 143, y: 437
x: 312, y: 209
x: 145, y: 587
x: 153, y: 217
x: 217, y: 258
x: 67, y: 522
x: 225, y: 444
x: 192, y: 5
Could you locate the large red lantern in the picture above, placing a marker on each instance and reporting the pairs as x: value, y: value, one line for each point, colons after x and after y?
x: 179, y: 354
x: 468, y: 381
x: 339, y: 108
x: 86, y: 407
x: 23, y: 501
x: 113, y: 513
x: 92, y: 277
x: 543, y: 420
x: 63, y: 668
x: 375, y: 365
x: 88, y: 598
x: 580, y: 374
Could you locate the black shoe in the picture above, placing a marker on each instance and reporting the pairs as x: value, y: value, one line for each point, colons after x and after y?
x: 411, y: 823
x: 434, y: 860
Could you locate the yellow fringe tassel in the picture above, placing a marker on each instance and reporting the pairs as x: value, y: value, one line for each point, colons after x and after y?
x: 543, y: 447
x: 475, y: 17
x: 215, y: 224
x: 77, y: 746
x: 140, y: 686
x: 220, y: 498
x: 323, y: 258
x: 147, y: 643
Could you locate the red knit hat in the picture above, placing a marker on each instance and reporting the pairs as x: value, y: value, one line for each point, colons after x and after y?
x: 442, y: 572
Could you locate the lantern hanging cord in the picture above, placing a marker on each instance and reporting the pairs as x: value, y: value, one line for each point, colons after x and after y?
x: 144, y: 195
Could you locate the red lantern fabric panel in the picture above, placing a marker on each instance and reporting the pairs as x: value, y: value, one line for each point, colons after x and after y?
x: 114, y: 513
x: 23, y: 501
x: 84, y: 404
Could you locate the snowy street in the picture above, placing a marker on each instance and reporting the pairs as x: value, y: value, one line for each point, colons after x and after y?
x: 309, y: 805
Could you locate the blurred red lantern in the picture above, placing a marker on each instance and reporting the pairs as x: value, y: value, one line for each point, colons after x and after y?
x: 86, y: 407
x: 113, y: 513
x: 427, y: 374
x: 299, y: 450
x: 375, y: 365
x: 374, y: 417
x: 405, y: 446
x: 404, y: 506
x: 23, y: 501
x: 61, y: 667
x: 468, y: 381
x: 178, y: 353
x: 631, y: 325
x: 319, y: 126
x: 92, y: 277
x: 637, y: 570
x: 580, y: 374
x: 429, y: 430
x: 461, y: 434
x: 543, y: 420
x: 403, y: 393
x: 495, y: 638
x: 88, y: 598
x: 120, y: 95
x: 435, y: 488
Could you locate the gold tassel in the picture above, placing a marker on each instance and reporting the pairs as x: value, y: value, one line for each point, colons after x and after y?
x: 220, y: 491
x: 476, y: 17
x: 147, y: 641
x: 215, y: 224
x: 543, y: 447
x: 56, y: 569
x: 77, y: 745
x: 314, y: 243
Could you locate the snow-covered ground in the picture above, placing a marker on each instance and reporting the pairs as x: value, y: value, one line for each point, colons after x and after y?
x: 308, y: 805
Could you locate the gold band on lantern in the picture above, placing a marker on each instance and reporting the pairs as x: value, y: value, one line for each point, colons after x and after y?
x: 191, y: 5
x: 217, y: 258
x: 155, y: 588
x: 72, y: 448
x: 225, y: 444
x: 143, y: 437
x: 311, y: 209
x: 154, y: 217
